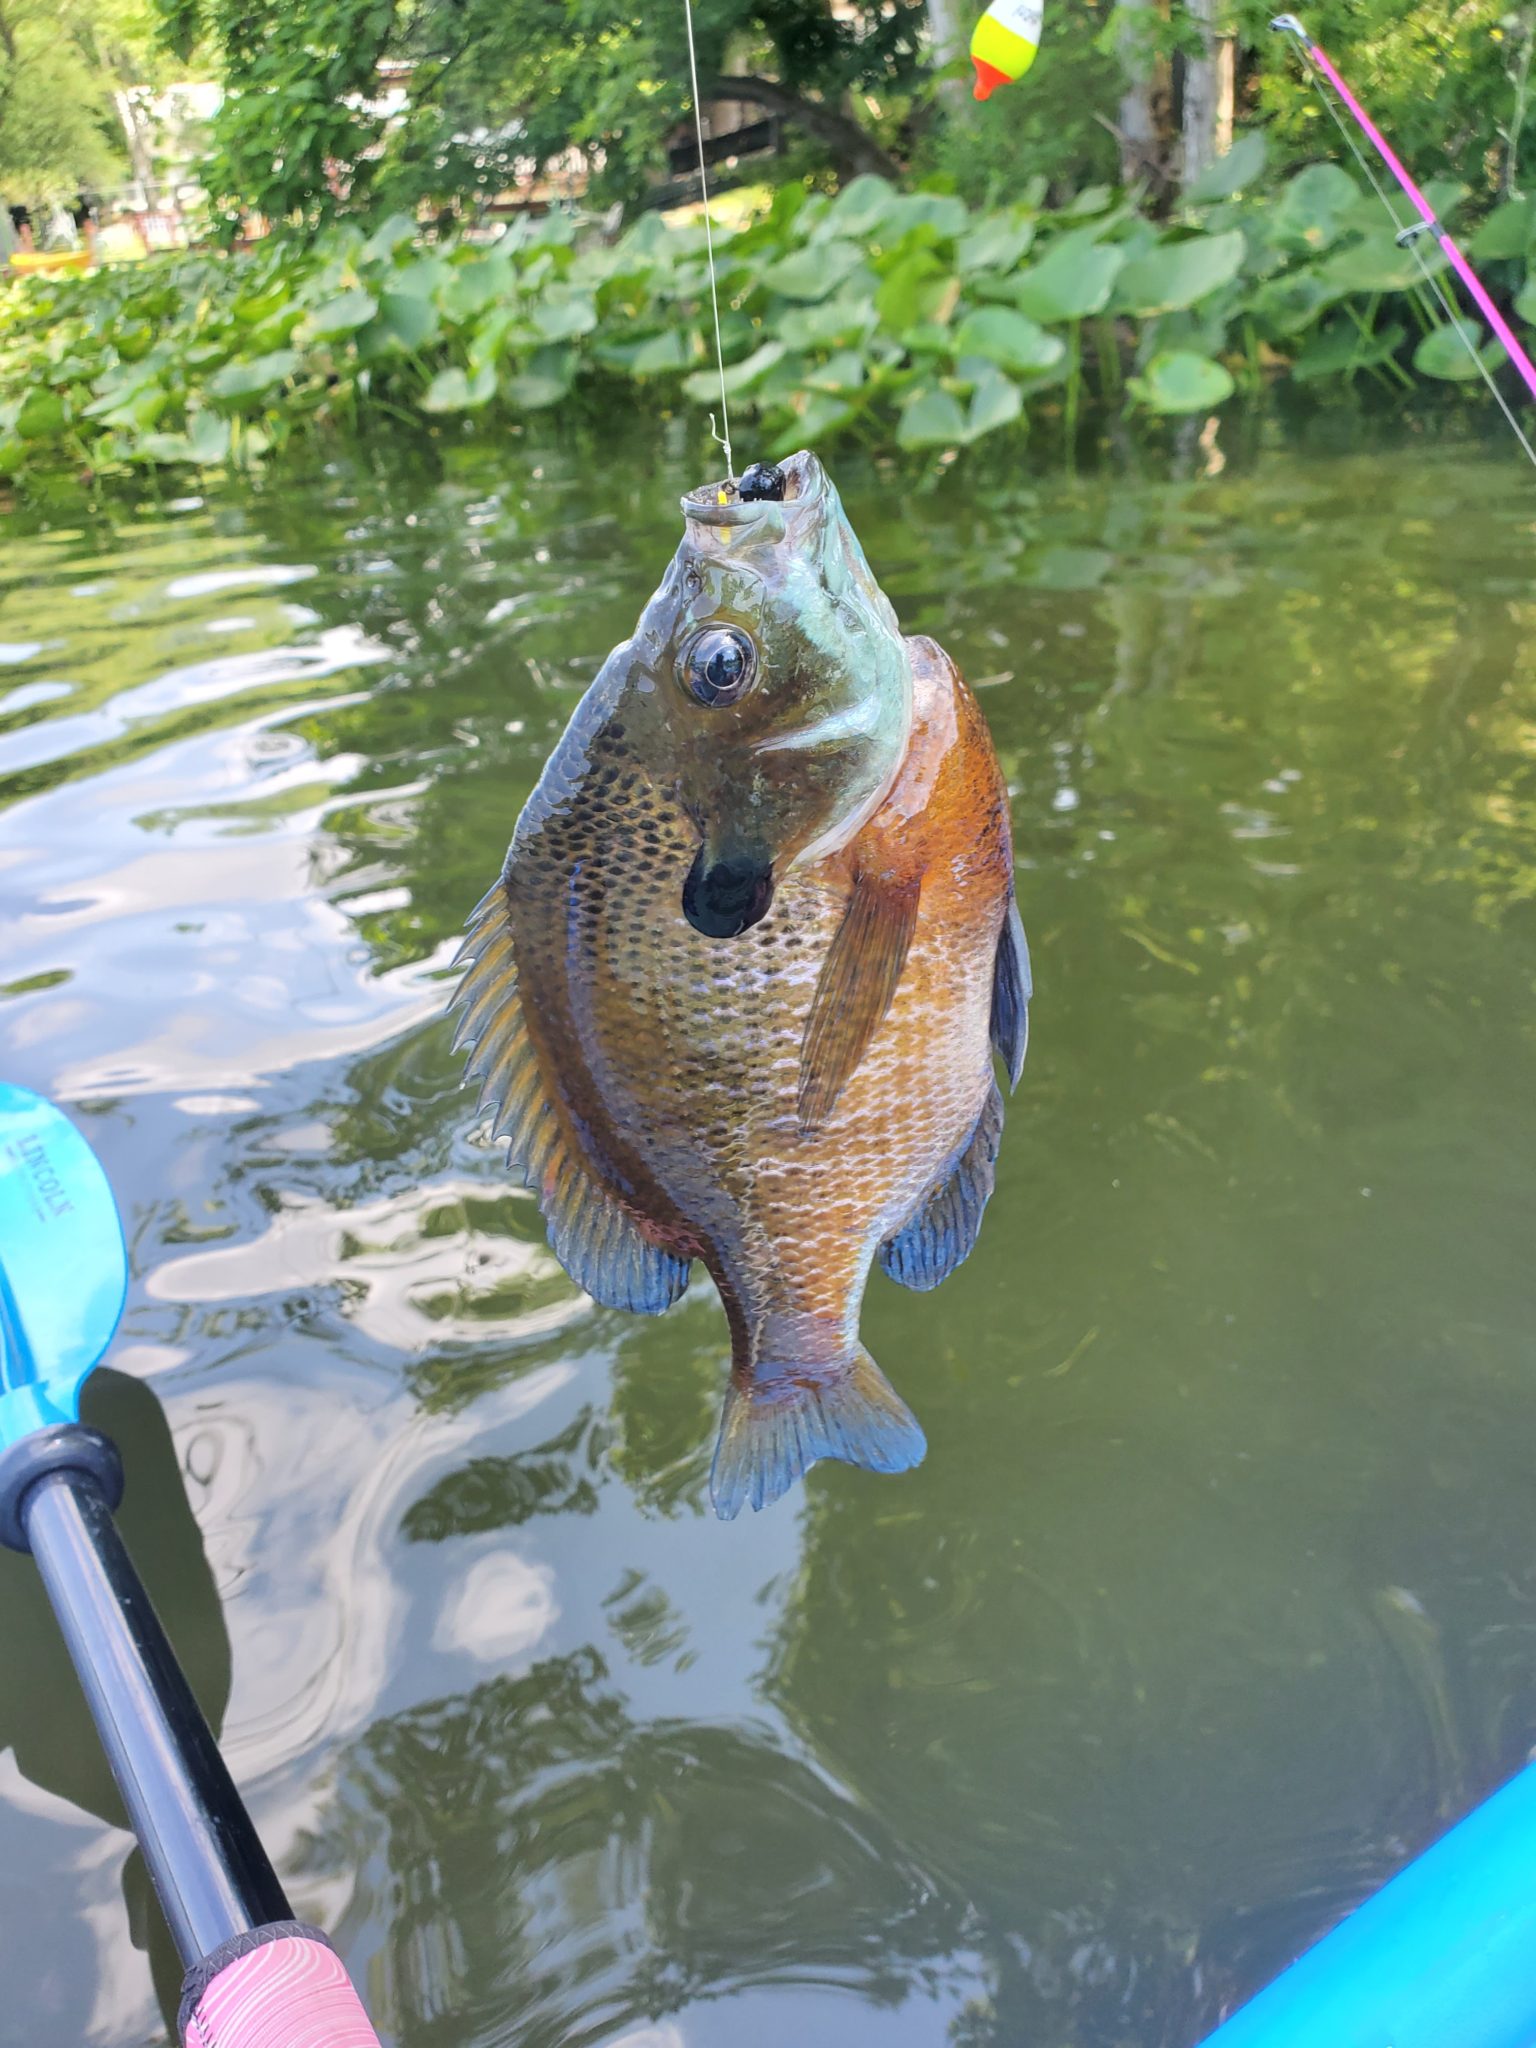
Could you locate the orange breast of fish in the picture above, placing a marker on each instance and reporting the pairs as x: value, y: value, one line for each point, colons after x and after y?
x: 673, y: 1060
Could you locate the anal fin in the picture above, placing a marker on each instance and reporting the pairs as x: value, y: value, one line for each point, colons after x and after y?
x: 593, y: 1236
x: 858, y: 980
x: 944, y: 1230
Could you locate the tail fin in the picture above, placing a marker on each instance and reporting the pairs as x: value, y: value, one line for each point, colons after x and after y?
x: 768, y: 1439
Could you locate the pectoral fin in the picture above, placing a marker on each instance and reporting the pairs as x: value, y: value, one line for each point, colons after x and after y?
x: 593, y: 1236
x: 1011, y: 990
x: 858, y: 980
x: 944, y: 1231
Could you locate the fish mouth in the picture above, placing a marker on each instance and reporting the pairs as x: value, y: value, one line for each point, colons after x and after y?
x: 716, y: 504
x: 722, y: 898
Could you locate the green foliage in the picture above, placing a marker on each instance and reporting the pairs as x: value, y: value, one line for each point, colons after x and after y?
x: 499, y: 85
x: 902, y: 319
x: 58, y: 129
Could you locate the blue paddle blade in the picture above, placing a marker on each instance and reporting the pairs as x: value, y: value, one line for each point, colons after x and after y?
x: 63, y: 1264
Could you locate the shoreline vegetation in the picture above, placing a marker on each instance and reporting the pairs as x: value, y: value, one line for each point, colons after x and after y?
x: 897, y: 319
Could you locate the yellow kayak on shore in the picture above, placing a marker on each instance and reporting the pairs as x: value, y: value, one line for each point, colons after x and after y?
x: 26, y: 260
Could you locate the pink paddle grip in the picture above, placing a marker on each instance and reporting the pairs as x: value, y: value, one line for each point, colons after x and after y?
x: 289, y: 1993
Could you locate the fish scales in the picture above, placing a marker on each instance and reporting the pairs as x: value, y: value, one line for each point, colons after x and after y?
x: 742, y: 957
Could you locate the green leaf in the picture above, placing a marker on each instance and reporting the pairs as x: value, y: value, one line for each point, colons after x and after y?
x: 545, y: 381
x: 822, y: 414
x: 452, y: 391
x: 340, y: 316
x: 837, y: 320
x: 1506, y: 232
x: 813, y: 274
x: 1375, y: 263
x: 1067, y: 568
x: 1242, y: 165
x: 995, y: 243
x: 387, y: 237
x: 161, y: 448
x: 208, y: 439
x: 996, y: 401
x: 43, y: 414
x: 1341, y: 350
x: 251, y: 308
x: 931, y: 418
x: 841, y: 372
x: 659, y: 355
x: 704, y: 385
x: 1313, y: 205
x: 1284, y: 305
x: 1092, y: 199
x: 1071, y: 280
x: 916, y: 289
x: 563, y: 318
x: 859, y: 208
x: 1525, y: 304
x: 237, y: 383
x: 409, y: 318
x: 1453, y: 351
x: 1009, y: 338
x: 1178, y: 380
x: 1176, y: 274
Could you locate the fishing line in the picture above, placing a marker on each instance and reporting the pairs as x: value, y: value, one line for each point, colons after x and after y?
x: 709, y: 243
x: 1408, y: 236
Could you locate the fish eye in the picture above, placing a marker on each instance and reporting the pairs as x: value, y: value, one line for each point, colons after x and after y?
x: 719, y: 665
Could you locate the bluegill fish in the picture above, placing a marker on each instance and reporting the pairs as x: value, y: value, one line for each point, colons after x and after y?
x: 735, y: 994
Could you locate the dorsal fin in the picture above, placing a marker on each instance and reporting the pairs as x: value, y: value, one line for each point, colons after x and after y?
x: 1012, y: 987
x: 932, y: 1243
x: 593, y: 1236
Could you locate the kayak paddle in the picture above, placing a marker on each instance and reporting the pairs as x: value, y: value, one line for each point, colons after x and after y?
x: 256, y: 1977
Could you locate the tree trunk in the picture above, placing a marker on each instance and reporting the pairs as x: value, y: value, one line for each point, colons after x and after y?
x: 1136, y: 122
x: 851, y: 148
x: 1208, y: 93
x: 140, y: 154
x: 947, y: 30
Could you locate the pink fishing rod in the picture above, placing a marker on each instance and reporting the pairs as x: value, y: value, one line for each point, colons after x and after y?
x: 1289, y: 25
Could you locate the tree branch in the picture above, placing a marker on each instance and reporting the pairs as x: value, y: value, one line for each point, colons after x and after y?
x: 851, y: 147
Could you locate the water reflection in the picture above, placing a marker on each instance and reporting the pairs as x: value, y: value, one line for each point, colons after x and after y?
x: 1213, y: 1598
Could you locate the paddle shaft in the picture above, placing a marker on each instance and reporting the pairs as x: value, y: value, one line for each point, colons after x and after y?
x: 208, y: 1867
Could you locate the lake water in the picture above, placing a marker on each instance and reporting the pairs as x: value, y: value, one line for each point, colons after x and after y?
x: 1216, y: 1597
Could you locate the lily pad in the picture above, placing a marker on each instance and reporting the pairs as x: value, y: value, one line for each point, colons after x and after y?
x: 920, y: 287
x: 408, y: 318
x: 1072, y: 279
x: 1009, y: 338
x: 932, y: 419
x: 1179, y: 381
x: 1242, y: 165
x: 996, y: 401
x: 704, y: 385
x: 43, y: 414
x: 561, y: 318
x: 1177, y: 274
x: 996, y: 244
x: 242, y: 383
x: 1341, y: 350
x: 1454, y: 352
x: 659, y: 354
x: 340, y: 316
x: 1314, y: 204
x: 813, y: 274
x: 1507, y: 231
x: 452, y: 391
